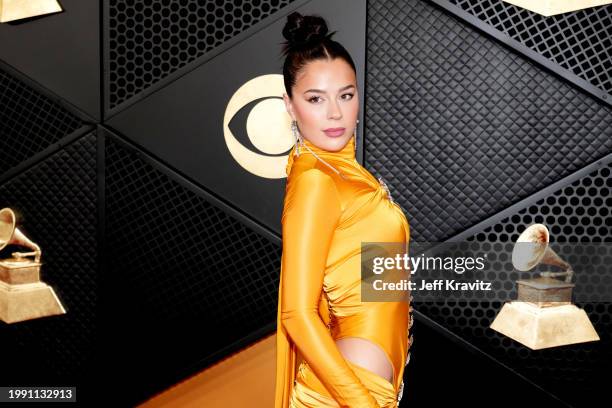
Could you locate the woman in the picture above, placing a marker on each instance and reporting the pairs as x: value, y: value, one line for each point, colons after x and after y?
x: 353, y: 352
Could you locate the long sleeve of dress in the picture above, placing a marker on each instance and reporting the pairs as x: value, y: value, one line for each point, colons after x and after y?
x: 308, y: 223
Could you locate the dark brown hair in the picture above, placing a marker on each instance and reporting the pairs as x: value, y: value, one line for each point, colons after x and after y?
x: 307, y: 39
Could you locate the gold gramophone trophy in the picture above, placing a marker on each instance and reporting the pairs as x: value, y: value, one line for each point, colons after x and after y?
x: 22, y: 295
x: 543, y: 315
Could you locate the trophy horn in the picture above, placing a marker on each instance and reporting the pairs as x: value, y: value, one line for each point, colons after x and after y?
x: 10, y: 234
x: 531, y: 248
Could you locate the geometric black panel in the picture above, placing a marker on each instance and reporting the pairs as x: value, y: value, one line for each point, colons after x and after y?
x: 56, y: 203
x: 199, y: 149
x: 580, y: 41
x: 60, y: 53
x: 149, y: 40
x: 461, y: 126
x: 464, y: 368
x: 187, y: 279
x: 29, y: 121
x: 578, y: 212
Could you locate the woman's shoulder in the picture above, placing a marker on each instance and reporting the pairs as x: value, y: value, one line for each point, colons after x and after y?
x: 311, y: 190
x: 310, y: 180
x: 308, y: 169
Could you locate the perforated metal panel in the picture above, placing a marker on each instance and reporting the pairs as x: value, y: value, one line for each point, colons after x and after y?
x: 580, y: 41
x: 150, y: 39
x: 578, y: 212
x: 187, y: 273
x: 29, y: 121
x: 460, y: 126
x: 56, y: 201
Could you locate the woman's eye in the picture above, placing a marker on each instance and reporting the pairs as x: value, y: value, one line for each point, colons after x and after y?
x: 315, y: 99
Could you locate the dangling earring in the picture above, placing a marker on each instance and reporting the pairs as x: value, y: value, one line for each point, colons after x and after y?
x: 296, y: 136
x: 356, y: 135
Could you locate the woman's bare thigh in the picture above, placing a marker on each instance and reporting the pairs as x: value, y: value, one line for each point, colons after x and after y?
x: 366, y: 354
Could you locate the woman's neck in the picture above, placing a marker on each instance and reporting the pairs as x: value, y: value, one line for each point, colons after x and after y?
x: 347, y: 152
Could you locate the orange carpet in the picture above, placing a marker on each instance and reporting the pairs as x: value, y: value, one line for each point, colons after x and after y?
x: 244, y: 379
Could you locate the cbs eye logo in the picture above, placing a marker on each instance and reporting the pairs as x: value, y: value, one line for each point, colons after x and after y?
x: 267, y: 126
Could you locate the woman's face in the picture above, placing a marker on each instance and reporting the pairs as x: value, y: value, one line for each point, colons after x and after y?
x: 325, y: 97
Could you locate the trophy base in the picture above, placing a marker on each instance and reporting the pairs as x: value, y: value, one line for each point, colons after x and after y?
x: 28, y: 301
x: 543, y: 327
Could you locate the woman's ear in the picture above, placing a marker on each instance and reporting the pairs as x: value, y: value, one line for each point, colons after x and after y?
x: 288, y: 106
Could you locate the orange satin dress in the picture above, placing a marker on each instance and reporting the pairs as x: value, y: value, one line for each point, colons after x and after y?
x: 331, y: 205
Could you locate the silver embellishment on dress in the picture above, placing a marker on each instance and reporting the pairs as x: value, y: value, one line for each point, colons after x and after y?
x: 386, y: 188
x: 324, y: 162
x: 401, y: 392
x: 329, y: 311
x: 410, y: 342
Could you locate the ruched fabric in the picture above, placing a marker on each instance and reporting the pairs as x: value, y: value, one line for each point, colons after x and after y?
x: 329, y: 210
x: 309, y: 392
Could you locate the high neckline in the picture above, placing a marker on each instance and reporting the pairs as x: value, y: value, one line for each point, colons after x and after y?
x: 347, y: 152
x: 342, y: 157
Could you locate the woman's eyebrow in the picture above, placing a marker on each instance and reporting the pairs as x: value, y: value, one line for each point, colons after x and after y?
x: 322, y: 91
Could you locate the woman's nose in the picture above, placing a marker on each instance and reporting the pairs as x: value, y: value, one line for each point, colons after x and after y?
x: 334, y: 111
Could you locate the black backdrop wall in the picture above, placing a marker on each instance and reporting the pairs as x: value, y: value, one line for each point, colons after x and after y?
x: 482, y: 117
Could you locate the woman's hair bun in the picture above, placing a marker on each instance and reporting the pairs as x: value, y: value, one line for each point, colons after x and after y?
x: 301, y: 30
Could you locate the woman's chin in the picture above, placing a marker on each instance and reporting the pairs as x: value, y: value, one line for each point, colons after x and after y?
x: 334, y: 143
